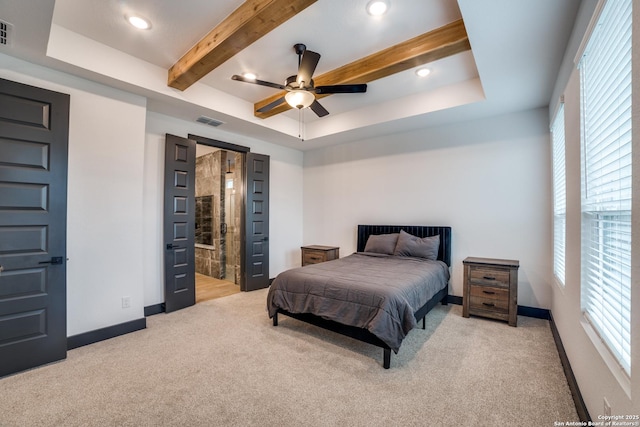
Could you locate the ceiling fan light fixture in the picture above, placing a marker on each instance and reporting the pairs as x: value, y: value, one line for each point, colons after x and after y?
x: 138, y: 21
x: 299, y: 98
x: 377, y: 7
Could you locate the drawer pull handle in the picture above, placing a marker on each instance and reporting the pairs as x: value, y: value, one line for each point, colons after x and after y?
x: 488, y: 304
x: 489, y: 278
x: 488, y: 292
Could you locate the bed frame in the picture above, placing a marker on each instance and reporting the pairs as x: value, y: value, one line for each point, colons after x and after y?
x: 364, y: 231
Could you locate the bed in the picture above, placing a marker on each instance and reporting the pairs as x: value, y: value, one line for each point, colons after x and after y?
x: 377, y: 294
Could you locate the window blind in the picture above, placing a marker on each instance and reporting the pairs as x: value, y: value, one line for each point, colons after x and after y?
x: 559, y: 195
x: 605, y: 71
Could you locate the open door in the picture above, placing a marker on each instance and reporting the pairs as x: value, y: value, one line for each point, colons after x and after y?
x: 34, y: 129
x: 256, y: 261
x: 179, y: 223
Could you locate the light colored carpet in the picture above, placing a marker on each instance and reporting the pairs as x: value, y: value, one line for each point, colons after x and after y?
x: 222, y: 363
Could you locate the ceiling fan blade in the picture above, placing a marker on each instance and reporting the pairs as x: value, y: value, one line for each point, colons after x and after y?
x: 318, y: 109
x: 358, y: 88
x: 271, y: 105
x: 307, y: 66
x: 256, y: 81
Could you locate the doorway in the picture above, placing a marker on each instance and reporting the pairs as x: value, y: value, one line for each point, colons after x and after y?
x: 218, y: 221
x: 250, y: 206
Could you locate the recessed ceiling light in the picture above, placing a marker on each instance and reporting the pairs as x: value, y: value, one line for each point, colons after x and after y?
x: 423, y: 72
x: 377, y: 7
x: 250, y: 76
x: 138, y: 22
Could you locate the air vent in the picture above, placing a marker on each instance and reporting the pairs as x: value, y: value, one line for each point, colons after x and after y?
x: 6, y: 34
x: 209, y: 121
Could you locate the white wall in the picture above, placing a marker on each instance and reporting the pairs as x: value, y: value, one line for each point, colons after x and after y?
x: 285, y: 198
x: 488, y: 179
x: 104, y: 219
x: 597, y: 373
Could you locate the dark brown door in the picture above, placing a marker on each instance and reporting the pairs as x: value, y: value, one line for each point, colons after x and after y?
x: 257, y: 223
x: 34, y: 128
x: 179, y: 223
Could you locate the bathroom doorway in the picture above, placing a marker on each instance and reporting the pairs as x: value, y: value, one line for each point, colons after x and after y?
x: 218, y: 237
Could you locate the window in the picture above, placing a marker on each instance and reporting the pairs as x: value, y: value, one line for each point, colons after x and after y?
x: 559, y: 194
x: 605, y: 72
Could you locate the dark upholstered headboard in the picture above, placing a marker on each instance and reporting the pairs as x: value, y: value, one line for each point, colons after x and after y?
x: 444, y: 253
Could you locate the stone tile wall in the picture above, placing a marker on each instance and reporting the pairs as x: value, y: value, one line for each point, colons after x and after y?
x: 207, y: 262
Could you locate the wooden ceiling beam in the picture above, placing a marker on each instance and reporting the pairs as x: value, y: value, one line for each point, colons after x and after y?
x: 428, y: 47
x: 252, y: 20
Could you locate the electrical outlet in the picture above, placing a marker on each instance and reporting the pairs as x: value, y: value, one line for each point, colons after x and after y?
x: 126, y: 302
x: 607, y: 408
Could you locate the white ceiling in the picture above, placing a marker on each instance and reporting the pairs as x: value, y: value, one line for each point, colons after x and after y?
x: 517, y: 47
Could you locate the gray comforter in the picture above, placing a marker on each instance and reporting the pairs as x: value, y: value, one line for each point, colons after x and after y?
x: 379, y: 293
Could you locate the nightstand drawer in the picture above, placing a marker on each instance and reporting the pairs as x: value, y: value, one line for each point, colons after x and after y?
x: 489, y: 276
x: 486, y: 298
x: 313, y: 257
x: 488, y: 292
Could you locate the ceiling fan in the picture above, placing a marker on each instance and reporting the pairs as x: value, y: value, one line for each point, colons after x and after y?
x: 300, y: 89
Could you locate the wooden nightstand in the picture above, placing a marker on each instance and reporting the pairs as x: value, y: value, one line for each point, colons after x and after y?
x: 315, y: 254
x: 491, y: 288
